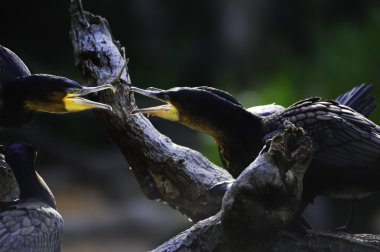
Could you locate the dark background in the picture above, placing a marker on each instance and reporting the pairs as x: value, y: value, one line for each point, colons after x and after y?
x: 261, y: 51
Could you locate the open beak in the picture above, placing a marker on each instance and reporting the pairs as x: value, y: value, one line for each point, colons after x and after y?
x: 74, y: 102
x: 167, y: 111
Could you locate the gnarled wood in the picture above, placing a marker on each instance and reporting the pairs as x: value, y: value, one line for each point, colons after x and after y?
x: 176, y: 174
x: 188, y: 181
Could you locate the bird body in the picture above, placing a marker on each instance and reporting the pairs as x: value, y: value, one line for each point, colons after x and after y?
x: 30, y: 226
x: 346, y: 162
x: 22, y: 94
x: 30, y: 223
x: 347, y: 145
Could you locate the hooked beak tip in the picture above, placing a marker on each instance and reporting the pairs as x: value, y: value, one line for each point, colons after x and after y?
x: 113, y: 89
x: 109, y: 108
x: 106, y: 86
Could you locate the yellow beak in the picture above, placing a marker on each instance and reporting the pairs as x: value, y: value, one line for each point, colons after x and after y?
x: 167, y: 111
x: 73, y: 101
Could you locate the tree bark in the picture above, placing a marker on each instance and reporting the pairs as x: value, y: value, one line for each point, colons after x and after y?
x: 175, y: 174
x: 249, y: 213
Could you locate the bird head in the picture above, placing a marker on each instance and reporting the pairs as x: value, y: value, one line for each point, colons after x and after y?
x: 49, y: 93
x: 199, y: 108
x: 19, y: 155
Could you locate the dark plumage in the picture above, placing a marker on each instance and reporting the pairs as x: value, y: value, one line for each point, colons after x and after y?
x: 347, y: 144
x: 359, y: 99
x: 8, y: 185
x: 30, y: 223
x: 22, y: 94
x: 346, y: 162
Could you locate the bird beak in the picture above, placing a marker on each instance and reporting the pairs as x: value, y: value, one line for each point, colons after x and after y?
x: 74, y: 102
x: 167, y: 111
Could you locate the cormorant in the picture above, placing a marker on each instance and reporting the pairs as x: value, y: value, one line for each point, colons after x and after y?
x: 30, y: 223
x: 347, y: 145
x: 22, y: 94
x: 357, y: 98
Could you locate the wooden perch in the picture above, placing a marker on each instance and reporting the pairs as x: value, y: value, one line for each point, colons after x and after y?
x: 178, y: 175
x: 249, y: 213
x: 259, y: 204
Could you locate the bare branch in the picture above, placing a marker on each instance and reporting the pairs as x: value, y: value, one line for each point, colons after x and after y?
x: 255, y: 208
x: 178, y: 175
x: 260, y: 203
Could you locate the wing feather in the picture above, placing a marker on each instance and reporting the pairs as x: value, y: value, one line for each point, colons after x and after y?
x: 341, y: 136
x: 30, y: 227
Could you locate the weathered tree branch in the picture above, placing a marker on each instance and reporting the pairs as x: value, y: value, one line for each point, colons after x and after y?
x: 178, y: 175
x: 188, y: 181
x: 261, y: 202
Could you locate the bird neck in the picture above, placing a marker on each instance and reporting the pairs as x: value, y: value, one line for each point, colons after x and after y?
x: 12, y: 108
x: 223, y: 121
x: 239, y: 141
x: 235, y: 123
x: 238, y: 132
x: 32, y: 186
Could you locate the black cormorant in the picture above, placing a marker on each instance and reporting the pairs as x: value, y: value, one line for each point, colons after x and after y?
x: 357, y: 98
x: 30, y: 223
x: 347, y: 156
x: 22, y: 94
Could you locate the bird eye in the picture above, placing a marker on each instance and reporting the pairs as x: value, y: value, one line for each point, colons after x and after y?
x: 163, y: 96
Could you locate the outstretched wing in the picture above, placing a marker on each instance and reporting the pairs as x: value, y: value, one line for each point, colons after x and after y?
x: 342, y: 137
